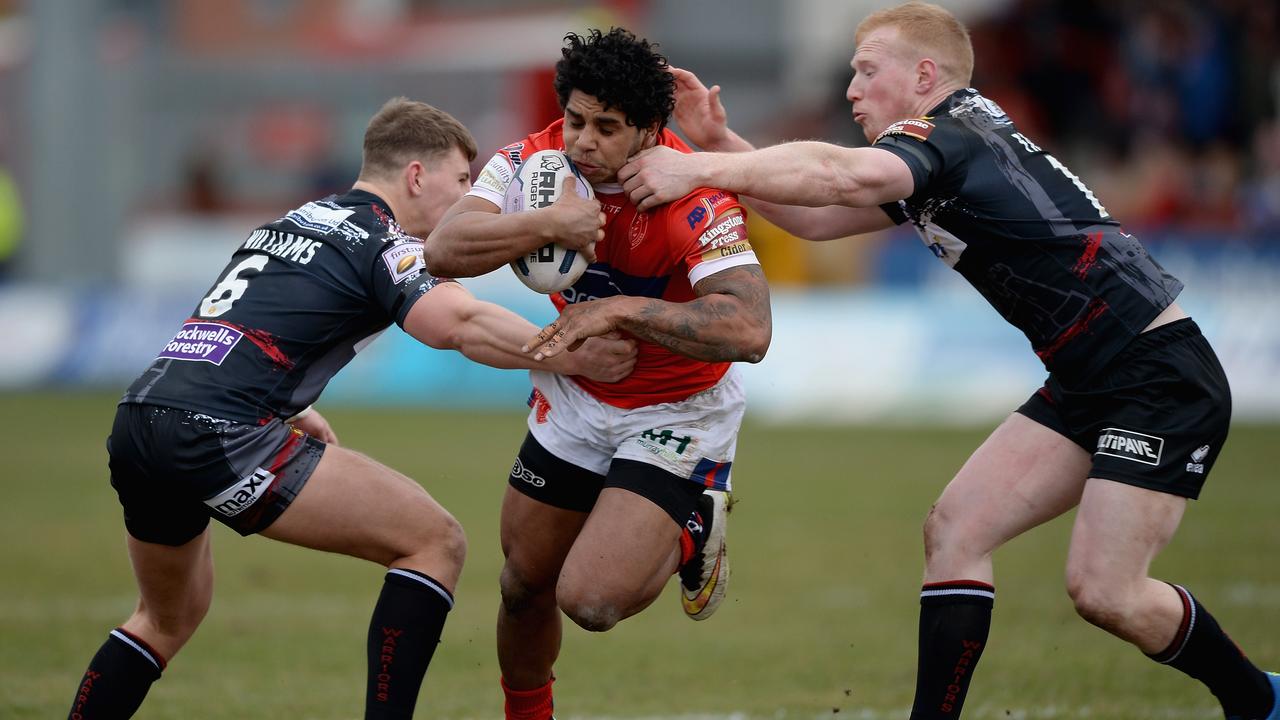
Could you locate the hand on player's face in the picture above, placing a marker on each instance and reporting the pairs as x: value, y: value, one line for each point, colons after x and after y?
x: 579, y: 221
x: 599, y: 140
x: 659, y: 175
x: 576, y: 323
x: 698, y: 110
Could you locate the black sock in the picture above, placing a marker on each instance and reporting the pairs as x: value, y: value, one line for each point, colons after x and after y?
x: 403, y: 635
x: 955, y: 617
x: 118, y: 678
x: 1202, y: 650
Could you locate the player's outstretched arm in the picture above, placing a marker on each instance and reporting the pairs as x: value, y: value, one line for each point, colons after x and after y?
x: 474, y: 237
x: 729, y: 321
x: 812, y: 174
x: 449, y: 317
x: 705, y: 122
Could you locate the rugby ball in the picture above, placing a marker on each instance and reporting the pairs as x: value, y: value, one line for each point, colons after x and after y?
x: 537, y: 184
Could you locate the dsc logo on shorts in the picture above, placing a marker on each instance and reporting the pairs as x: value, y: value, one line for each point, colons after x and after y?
x: 1130, y: 445
x: 520, y: 472
x: 235, y: 499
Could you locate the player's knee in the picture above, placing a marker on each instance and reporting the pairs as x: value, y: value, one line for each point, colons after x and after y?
x: 520, y: 593
x: 436, y: 541
x: 448, y: 540
x: 1100, y: 601
x: 941, y: 531
x: 590, y: 611
x: 175, y: 625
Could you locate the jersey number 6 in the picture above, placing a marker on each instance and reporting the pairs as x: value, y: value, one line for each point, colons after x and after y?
x: 232, y: 286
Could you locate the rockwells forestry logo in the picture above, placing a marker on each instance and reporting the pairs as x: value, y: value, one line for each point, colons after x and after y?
x: 1130, y: 445
x: 202, y: 342
x: 404, y: 260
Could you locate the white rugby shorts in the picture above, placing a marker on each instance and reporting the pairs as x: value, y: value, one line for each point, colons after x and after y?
x: 694, y: 438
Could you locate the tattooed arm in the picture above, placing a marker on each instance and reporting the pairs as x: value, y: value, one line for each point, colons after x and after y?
x: 729, y: 321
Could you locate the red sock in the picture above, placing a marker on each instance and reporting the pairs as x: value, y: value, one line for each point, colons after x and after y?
x: 535, y: 704
x: 687, y: 547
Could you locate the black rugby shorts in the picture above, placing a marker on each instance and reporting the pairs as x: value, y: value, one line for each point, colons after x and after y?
x: 174, y: 469
x: 550, y: 480
x: 1155, y: 417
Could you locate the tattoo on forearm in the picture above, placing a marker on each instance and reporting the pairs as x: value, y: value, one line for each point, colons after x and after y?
x: 732, y: 304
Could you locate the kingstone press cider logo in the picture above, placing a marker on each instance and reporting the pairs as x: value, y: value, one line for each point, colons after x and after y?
x: 202, y: 342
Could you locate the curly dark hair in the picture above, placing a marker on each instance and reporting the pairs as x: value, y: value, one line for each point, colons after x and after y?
x: 622, y: 71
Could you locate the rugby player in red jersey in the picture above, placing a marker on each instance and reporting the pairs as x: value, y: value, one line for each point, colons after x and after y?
x: 617, y: 487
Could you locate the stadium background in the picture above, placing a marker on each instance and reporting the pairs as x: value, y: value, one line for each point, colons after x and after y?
x: 141, y: 139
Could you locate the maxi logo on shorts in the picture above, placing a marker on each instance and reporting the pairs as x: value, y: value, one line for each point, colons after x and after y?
x: 202, y: 341
x: 235, y: 499
x: 1130, y: 445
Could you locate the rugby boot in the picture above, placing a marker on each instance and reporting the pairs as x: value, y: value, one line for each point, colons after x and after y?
x: 1275, y: 703
x: 704, y: 577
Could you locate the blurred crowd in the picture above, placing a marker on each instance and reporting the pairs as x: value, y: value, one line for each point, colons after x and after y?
x: 1168, y: 109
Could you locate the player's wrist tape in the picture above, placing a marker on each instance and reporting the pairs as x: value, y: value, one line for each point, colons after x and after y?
x: 301, y: 414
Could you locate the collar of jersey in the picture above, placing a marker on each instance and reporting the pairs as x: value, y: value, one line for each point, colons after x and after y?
x: 363, y: 197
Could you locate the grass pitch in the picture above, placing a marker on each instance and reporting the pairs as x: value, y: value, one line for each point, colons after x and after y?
x: 821, y: 620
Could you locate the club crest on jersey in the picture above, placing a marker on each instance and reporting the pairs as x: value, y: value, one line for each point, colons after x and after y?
x: 915, y: 127
x: 1130, y: 445
x: 404, y: 260
x: 639, y: 226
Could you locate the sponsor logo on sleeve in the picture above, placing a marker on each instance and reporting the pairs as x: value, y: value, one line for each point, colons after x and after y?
x: 202, y: 342
x: 496, y: 175
x: 916, y: 128
x: 404, y: 260
x: 237, y: 498
x: 705, y: 213
x: 514, y: 152
x: 730, y: 228
x: 726, y: 250
x: 696, y: 217
x: 1130, y: 445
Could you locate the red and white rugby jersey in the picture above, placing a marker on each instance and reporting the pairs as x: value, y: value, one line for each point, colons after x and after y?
x: 661, y: 254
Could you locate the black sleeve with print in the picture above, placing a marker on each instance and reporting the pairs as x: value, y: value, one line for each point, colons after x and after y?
x: 299, y: 298
x: 1027, y: 233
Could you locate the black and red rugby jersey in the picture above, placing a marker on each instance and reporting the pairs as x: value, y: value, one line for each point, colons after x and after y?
x: 1027, y: 233
x: 299, y: 298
